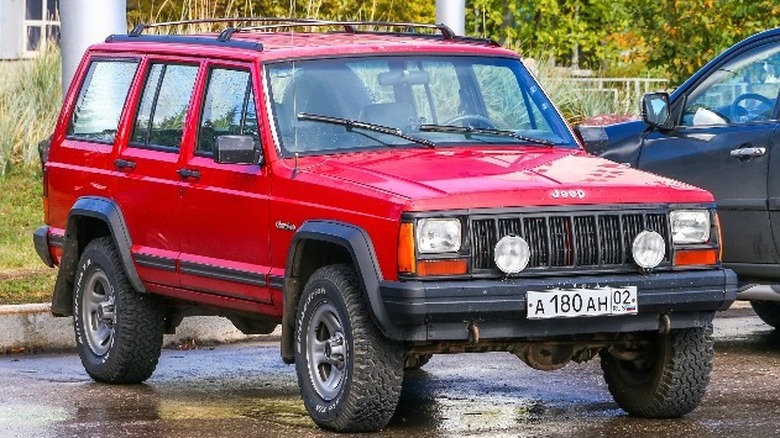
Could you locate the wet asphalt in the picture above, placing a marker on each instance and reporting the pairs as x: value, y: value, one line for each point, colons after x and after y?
x: 245, y: 390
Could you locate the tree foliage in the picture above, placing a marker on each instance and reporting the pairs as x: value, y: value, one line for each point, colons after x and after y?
x: 373, y: 10
x: 685, y: 34
x: 617, y: 37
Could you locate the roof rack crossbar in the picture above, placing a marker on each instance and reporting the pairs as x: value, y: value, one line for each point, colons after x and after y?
x: 349, y: 27
x: 140, y: 28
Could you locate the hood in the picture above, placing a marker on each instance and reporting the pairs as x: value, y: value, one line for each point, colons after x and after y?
x: 490, y: 177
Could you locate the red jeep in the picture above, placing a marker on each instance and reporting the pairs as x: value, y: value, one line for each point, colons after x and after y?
x: 385, y: 192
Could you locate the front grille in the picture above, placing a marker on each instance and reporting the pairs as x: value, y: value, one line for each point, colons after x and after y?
x: 567, y: 240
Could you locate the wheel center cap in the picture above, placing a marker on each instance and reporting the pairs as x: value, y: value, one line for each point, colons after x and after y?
x: 105, y: 311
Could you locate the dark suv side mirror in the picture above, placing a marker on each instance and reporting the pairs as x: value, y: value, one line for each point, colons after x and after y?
x: 236, y: 149
x: 655, y: 110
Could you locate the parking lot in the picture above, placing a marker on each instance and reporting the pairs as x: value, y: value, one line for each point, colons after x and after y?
x: 245, y: 390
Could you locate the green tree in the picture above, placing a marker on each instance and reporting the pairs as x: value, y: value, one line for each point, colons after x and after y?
x: 375, y: 10
x: 685, y: 34
x: 573, y: 32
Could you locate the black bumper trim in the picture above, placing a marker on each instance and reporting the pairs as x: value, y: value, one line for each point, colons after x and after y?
x: 423, y: 309
x: 41, y: 241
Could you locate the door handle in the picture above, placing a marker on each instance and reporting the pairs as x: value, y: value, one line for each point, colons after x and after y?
x: 189, y: 173
x: 124, y: 164
x: 748, y: 152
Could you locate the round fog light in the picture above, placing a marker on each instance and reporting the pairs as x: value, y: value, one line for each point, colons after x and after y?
x: 649, y: 249
x: 512, y: 254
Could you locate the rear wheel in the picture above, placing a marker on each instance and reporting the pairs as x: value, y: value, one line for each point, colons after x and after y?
x: 350, y: 375
x: 768, y: 311
x: 118, y: 330
x: 666, y: 377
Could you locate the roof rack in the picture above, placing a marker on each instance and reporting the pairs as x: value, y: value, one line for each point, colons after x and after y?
x: 348, y: 26
x: 140, y: 28
x: 267, y: 24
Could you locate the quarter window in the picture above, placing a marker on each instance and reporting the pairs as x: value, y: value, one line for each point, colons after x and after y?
x: 229, y: 109
x: 101, y: 99
x: 163, y: 108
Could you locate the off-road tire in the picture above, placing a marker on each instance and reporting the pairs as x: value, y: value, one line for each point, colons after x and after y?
x: 365, y: 396
x: 768, y: 311
x: 670, y: 381
x: 416, y: 361
x: 127, y: 349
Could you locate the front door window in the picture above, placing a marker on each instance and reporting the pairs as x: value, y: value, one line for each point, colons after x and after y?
x: 744, y: 90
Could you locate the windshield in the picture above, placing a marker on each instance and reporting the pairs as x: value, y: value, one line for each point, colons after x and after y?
x: 418, y: 97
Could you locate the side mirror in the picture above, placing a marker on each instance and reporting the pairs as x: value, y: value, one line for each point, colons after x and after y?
x: 236, y: 149
x: 655, y: 110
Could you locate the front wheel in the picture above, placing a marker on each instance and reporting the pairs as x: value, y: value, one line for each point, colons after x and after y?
x: 666, y: 377
x: 119, y: 332
x: 768, y: 311
x: 350, y: 375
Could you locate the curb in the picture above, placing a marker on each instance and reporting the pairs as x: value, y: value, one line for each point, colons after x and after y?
x: 32, y: 327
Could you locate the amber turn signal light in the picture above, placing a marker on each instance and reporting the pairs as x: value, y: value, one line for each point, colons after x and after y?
x: 406, y: 256
x: 442, y: 267
x: 708, y: 256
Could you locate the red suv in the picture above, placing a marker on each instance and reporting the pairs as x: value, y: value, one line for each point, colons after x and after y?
x: 385, y: 192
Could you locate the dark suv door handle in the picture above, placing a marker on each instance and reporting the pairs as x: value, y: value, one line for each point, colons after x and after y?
x: 124, y: 164
x: 189, y: 173
x: 748, y: 152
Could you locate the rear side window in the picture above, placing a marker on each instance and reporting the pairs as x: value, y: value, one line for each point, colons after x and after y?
x: 229, y: 109
x: 101, y: 99
x: 166, y: 98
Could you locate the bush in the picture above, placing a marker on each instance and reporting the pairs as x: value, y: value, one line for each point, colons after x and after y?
x: 30, y: 99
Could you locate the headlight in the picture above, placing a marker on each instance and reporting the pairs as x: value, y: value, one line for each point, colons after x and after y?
x: 438, y: 235
x: 690, y: 226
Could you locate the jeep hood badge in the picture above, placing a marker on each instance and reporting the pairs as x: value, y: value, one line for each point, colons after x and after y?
x: 564, y: 194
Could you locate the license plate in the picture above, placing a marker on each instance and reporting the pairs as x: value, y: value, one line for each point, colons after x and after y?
x: 570, y: 303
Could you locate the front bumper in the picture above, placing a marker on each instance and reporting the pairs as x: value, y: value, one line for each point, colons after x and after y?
x: 443, y: 310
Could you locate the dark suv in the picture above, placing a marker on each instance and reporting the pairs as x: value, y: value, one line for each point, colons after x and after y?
x: 385, y: 192
x: 719, y: 131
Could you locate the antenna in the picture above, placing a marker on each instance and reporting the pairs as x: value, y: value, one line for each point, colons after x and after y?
x: 295, y: 169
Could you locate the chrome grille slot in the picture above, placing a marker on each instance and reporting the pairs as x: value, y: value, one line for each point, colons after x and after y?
x: 586, y: 240
x: 536, y: 236
x: 610, y: 240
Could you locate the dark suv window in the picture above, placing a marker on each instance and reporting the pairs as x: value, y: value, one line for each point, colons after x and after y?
x: 229, y: 109
x: 101, y: 99
x: 163, y: 108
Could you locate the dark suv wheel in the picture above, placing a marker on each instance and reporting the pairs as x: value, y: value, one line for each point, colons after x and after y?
x: 118, y: 330
x: 666, y: 378
x: 350, y: 375
x: 768, y: 311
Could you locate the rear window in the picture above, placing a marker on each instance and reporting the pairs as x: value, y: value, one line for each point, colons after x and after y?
x: 101, y: 100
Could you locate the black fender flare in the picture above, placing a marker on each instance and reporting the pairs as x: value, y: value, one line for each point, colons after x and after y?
x: 108, y: 212
x: 358, y: 244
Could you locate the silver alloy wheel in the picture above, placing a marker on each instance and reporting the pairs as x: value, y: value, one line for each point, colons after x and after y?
x: 98, y: 312
x: 326, y: 352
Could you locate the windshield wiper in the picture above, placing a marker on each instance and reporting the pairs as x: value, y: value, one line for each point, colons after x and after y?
x: 468, y: 130
x: 352, y: 124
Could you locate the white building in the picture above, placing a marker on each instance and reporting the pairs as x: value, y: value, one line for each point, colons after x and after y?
x: 27, y: 26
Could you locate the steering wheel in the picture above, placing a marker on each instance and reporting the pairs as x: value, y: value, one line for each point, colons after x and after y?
x: 471, y: 121
x: 740, y: 113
